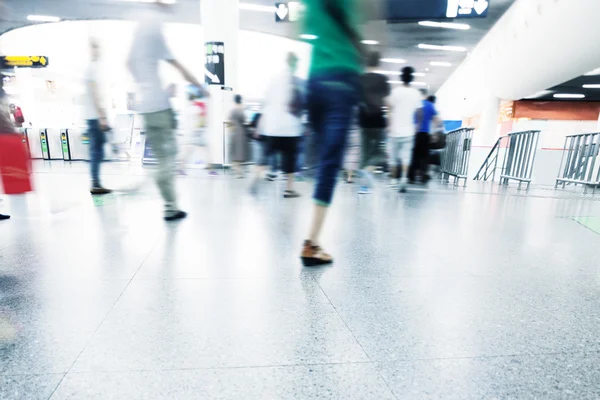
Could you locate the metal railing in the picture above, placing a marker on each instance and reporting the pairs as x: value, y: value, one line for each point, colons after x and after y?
x: 580, y: 168
x: 519, y: 158
x: 456, y: 155
x: 490, y: 165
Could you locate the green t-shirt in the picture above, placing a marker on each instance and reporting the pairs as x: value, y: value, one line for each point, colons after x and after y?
x: 332, y: 49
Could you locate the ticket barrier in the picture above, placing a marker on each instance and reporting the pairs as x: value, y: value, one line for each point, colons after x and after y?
x: 66, y: 147
x: 50, y: 144
x: 44, y: 143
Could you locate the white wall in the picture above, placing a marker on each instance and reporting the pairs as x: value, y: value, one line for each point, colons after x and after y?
x: 537, y: 44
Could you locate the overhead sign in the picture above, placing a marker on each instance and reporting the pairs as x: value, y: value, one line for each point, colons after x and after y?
x: 467, y: 8
x: 419, y: 10
x: 289, y: 12
x: 23, y: 61
x: 214, y: 67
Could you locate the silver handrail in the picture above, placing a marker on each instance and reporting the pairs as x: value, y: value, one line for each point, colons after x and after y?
x: 519, y: 159
x: 456, y: 155
x: 578, y: 164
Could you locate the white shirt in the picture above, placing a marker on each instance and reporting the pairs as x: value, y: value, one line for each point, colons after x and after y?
x: 277, y: 119
x: 147, y: 50
x: 93, y: 75
x: 405, y: 101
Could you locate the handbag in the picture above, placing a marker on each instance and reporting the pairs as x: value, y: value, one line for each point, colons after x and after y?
x: 15, y: 165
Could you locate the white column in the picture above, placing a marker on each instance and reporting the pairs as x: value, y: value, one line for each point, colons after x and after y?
x: 489, y: 121
x: 220, y: 23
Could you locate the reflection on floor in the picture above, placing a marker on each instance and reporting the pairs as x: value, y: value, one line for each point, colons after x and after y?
x: 443, y: 293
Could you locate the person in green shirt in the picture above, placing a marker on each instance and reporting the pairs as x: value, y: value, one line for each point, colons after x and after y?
x: 333, y: 93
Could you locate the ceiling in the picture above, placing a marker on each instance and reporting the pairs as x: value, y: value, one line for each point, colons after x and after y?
x: 397, y: 40
x: 574, y: 86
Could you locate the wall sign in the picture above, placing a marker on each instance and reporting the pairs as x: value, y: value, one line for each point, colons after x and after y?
x: 419, y: 10
x: 289, y: 12
x: 23, y: 62
x: 467, y: 8
x: 214, y: 67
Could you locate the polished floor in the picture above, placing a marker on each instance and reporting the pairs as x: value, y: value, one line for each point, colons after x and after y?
x: 441, y: 294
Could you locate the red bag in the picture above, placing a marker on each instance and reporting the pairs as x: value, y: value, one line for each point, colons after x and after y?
x: 15, y: 165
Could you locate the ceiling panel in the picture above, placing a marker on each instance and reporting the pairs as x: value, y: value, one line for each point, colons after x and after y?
x: 396, y: 40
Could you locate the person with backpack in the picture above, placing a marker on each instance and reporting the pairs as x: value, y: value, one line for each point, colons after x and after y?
x: 375, y: 88
x: 281, y: 124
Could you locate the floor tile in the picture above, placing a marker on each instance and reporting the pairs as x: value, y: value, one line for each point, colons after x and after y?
x: 30, y: 387
x: 45, y: 326
x: 220, y: 323
x: 342, y: 381
x: 554, y: 376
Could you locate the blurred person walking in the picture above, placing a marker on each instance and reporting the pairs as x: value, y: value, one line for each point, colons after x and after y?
x: 238, y: 139
x: 404, y: 103
x: 375, y: 89
x: 147, y: 50
x: 95, y: 115
x: 194, y: 121
x: 281, y: 125
x: 426, y: 117
x: 333, y: 93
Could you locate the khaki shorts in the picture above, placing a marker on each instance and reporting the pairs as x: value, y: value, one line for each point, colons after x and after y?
x: 400, y: 150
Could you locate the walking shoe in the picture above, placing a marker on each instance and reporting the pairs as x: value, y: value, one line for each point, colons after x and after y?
x: 364, y: 190
x: 4, y: 217
x: 290, y: 194
x: 175, y: 215
x: 271, y: 177
x: 213, y: 173
x: 98, y: 191
x: 313, y: 255
x: 402, y: 189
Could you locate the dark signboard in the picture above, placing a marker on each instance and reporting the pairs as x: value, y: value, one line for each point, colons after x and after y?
x: 23, y: 62
x: 214, y: 66
x: 415, y: 10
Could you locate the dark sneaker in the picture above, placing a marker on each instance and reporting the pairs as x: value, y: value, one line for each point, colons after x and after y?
x: 4, y: 217
x: 402, y: 189
x: 314, y: 256
x: 290, y: 194
x: 175, y: 216
x: 98, y: 191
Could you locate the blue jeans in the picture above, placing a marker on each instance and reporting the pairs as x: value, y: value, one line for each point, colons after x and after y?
x: 97, y: 141
x: 332, y: 97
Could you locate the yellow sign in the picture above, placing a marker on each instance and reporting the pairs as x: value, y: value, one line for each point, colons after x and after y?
x: 23, y: 61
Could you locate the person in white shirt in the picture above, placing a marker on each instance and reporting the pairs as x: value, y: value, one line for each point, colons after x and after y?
x: 147, y: 50
x: 281, y: 125
x: 403, y: 103
x: 95, y: 115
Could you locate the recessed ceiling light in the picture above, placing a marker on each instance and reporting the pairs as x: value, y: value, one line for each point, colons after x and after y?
x: 441, y: 48
x: 541, y: 93
x: 440, y: 64
x: 370, y: 42
x: 393, y: 60
x: 569, y: 96
x: 446, y: 25
x: 42, y: 18
x: 307, y: 36
x: 257, y: 7
x: 593, y: 72
x: 591, y: 86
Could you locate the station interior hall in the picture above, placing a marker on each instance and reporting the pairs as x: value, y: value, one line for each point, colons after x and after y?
x: 196, y: 202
